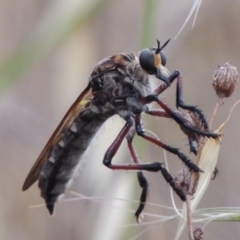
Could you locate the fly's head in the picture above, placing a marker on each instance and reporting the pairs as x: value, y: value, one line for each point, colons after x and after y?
x: 153, y: 61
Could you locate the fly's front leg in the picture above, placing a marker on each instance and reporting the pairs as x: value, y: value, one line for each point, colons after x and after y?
x: 180, y: 103
x: 141, y: 177
x: 164, y: 86
x: 179, y: 95
x: 175, y: 116
x: 162, y: 113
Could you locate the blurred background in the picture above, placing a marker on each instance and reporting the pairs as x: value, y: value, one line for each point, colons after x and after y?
x: 48, y: 49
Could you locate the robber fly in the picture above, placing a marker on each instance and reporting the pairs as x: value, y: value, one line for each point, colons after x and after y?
x: 120, y: 84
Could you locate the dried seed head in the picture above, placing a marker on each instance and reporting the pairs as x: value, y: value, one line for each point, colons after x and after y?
x: 182, y: 181
x: 197, y: 233
x: 192, y: 119
x: 225, y: 80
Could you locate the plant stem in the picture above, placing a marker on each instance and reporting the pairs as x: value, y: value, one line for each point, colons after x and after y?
x: 149, y: 22
x: 189, y: 217
x: 216, y: 109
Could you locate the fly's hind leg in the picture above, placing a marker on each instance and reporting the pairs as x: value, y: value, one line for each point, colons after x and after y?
x: 140, y: 175
x: 151, y: 167
x: 142, y: 180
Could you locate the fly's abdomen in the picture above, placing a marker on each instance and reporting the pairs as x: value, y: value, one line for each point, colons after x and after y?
x: 65, y: 156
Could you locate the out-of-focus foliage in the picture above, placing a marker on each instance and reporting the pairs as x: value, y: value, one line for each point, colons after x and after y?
x: 53, y: 29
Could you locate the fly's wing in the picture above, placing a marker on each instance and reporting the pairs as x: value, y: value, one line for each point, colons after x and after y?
x: 115, y: 62
x: 75, y: 109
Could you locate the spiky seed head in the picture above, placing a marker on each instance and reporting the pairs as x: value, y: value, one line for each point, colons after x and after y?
x: 225, y: 80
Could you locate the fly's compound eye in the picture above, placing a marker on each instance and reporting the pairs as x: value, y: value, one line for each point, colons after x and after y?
x: 147, y: 61
x: 151, y: 58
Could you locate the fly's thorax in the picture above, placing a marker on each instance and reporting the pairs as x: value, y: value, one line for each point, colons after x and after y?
x: 113, y: 73
x: 139, y: 79
x: 118, y: 84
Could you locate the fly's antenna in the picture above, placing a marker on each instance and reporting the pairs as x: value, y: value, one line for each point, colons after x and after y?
x: 161, y: 48
x: 158, y: 47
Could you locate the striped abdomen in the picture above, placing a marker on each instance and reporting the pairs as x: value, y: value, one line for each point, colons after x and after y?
x: 65, y: 156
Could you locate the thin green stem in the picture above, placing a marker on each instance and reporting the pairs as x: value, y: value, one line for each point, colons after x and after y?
x: 149, y: 22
